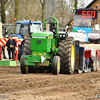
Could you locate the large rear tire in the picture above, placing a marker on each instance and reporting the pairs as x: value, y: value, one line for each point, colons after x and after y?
x: 19, y: 52
x: 23, y: 67
x: 27, y: 46
x: 67, y: 55
x: 27, y: 51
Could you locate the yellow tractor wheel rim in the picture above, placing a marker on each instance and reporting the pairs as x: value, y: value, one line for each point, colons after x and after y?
x: 58, y: 65
x: 72, y: 57
x: 26, y: 67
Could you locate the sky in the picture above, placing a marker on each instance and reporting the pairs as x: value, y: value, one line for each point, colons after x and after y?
x: 87, y: 2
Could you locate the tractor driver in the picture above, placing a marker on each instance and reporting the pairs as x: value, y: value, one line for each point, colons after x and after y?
x: 54, y: 31
x: 83, y: 23
x: 53, y: 27
x: 11, y: 44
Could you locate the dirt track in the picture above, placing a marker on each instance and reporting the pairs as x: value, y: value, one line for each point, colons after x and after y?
x: 45, y: 86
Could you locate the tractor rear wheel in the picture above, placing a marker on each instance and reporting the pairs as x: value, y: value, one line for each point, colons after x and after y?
x: 19, y: 52
x: 27, y: 46
x: 23, y: 67
x: 27, y: 51
x: 67, y: 55
x: 56, y: 65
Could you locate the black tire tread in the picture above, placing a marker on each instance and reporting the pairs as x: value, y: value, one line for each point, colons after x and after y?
x: 64, y: 52
x: 19, y: 52
x: 22, y: 65
x: 55, y: 65
x: 27, y: 49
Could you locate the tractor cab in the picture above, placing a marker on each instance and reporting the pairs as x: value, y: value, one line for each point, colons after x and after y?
x: 82, y: 21
x: 26, y: 27
x: 82, y: 27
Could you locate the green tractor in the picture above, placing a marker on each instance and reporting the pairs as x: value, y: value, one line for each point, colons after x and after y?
x: 49, y: 49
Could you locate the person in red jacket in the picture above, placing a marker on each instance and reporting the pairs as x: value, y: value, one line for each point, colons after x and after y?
x: 11, y: 44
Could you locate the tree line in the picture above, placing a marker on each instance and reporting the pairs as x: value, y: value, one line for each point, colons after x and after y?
x: 38, y: 10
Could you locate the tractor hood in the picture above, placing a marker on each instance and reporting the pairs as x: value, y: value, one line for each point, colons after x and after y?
x: 41, y: 42
x: 42, y: 35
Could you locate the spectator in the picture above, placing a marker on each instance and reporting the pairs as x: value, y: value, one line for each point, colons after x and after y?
x: 11, y: 44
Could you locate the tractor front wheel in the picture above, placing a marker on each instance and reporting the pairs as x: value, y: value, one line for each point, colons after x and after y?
x: 23, y: 67
x: 56, y: 65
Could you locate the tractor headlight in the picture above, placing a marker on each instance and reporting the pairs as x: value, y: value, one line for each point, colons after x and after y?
x: 60, y: 35
x: 63, y: 35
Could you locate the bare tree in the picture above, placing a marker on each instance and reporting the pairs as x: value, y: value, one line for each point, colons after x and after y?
x: 81, y: 4
x: 75, y: 4
x: 50, y: 8
x: 3, y: 9
x: 61, y: 11
x: 40, y: 9
x: 10, y: 12
x: 16, y: 10
x: 29, y: 9
x: 43, y: 2
x: 4, y: 4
